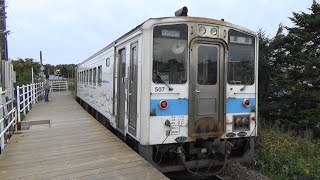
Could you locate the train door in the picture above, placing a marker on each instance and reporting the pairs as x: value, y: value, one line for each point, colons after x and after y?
x: 205, y: 90
x: 132, y: 91
x: 121, y: 90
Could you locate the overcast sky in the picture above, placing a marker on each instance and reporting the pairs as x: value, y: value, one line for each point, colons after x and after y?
x: 69, y: 31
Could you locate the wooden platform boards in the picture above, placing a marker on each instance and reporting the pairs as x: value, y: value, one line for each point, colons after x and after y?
x: 76, y: 146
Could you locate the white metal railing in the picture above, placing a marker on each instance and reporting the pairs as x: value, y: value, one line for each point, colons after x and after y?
x: 59, y: 85
x: 7, y: 119
x: 26, y: 96
x: 8, y: 113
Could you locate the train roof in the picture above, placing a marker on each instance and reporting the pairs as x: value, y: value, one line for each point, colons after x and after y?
x: 172, y: 19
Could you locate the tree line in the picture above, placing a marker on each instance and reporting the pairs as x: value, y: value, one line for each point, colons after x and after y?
x: 289, y: 71
x: 23, y: 70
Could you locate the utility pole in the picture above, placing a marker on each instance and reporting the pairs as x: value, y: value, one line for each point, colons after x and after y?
x: 3, y: 41
x: 41, y: 74
x: 3, y: 31
x: 41, y: 57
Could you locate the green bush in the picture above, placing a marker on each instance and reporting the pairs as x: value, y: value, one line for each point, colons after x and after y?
x: 71, y: 85
x: 286, y: 157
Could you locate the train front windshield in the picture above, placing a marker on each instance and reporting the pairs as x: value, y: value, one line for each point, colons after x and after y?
x: 241, y: 58
x: 170, y: 54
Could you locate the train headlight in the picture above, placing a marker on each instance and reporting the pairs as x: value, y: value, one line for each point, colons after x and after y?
x: 237, y: 121
x: 202, y: 30
x: 245, y: 120
x: 163, y: 104
x: 241, y: 123
x: 246, y: 102
x: 214, y: 31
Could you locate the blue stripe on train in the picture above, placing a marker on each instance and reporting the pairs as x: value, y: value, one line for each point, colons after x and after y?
x: 175, y: 107
x: 236, y: 105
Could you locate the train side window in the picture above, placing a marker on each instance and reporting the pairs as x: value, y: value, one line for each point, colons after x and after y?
x: 90, y: 76
x: 82, y: 77
x: 99, y: 75
x: 87, y: 77
x: 94, y: 76
x: 108, y: 62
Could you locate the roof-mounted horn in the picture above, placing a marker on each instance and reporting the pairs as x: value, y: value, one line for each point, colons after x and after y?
x: 182, y: 12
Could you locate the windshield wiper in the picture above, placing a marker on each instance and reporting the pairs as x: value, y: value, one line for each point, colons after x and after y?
x: 160, y: 75
x: 247, y: 83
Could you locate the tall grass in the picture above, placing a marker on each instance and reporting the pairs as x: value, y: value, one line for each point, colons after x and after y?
x: 71, y: 84
x: 284, y: 156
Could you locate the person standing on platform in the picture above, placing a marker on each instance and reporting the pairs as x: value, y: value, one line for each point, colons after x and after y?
x: 46, y: 86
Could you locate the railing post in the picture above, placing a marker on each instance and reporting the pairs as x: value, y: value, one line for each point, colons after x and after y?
x: 1, y: 127
x: 28, y: 96
x: 16, y: 123
x: 38, y: 92
x: 18, y: 103
x: 34, y: 93
x: 2, y: 137
x: 24, y: 99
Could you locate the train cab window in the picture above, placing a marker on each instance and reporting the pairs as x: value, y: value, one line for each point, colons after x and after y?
x: 99, y: 75
x: 94, y: 76
x: 108, y: 62
x: 241, y: 58
x: 170, y: 54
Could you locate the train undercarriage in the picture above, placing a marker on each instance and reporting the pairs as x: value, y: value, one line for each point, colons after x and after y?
x: 191, y: 156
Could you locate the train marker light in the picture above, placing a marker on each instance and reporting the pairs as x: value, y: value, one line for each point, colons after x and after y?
x: 214, y: 31
x: 246, y: 102
x: 202, y: 30
x: 163, y: 104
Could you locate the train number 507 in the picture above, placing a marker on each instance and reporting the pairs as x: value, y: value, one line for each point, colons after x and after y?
x: 159, y: 89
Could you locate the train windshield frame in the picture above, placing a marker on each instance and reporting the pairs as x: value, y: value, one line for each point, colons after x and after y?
x: 241, y: 58
x: 170, y: 54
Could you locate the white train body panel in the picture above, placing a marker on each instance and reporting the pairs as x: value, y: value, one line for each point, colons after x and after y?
x: 150, y: 127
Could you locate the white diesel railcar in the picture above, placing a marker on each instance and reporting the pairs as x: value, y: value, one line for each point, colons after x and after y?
x: 182, y: 89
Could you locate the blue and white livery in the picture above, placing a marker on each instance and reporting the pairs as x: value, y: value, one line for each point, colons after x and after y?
x: 182, y: 90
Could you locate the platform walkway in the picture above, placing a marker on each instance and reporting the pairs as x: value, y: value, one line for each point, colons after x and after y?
x: 74, y: 146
